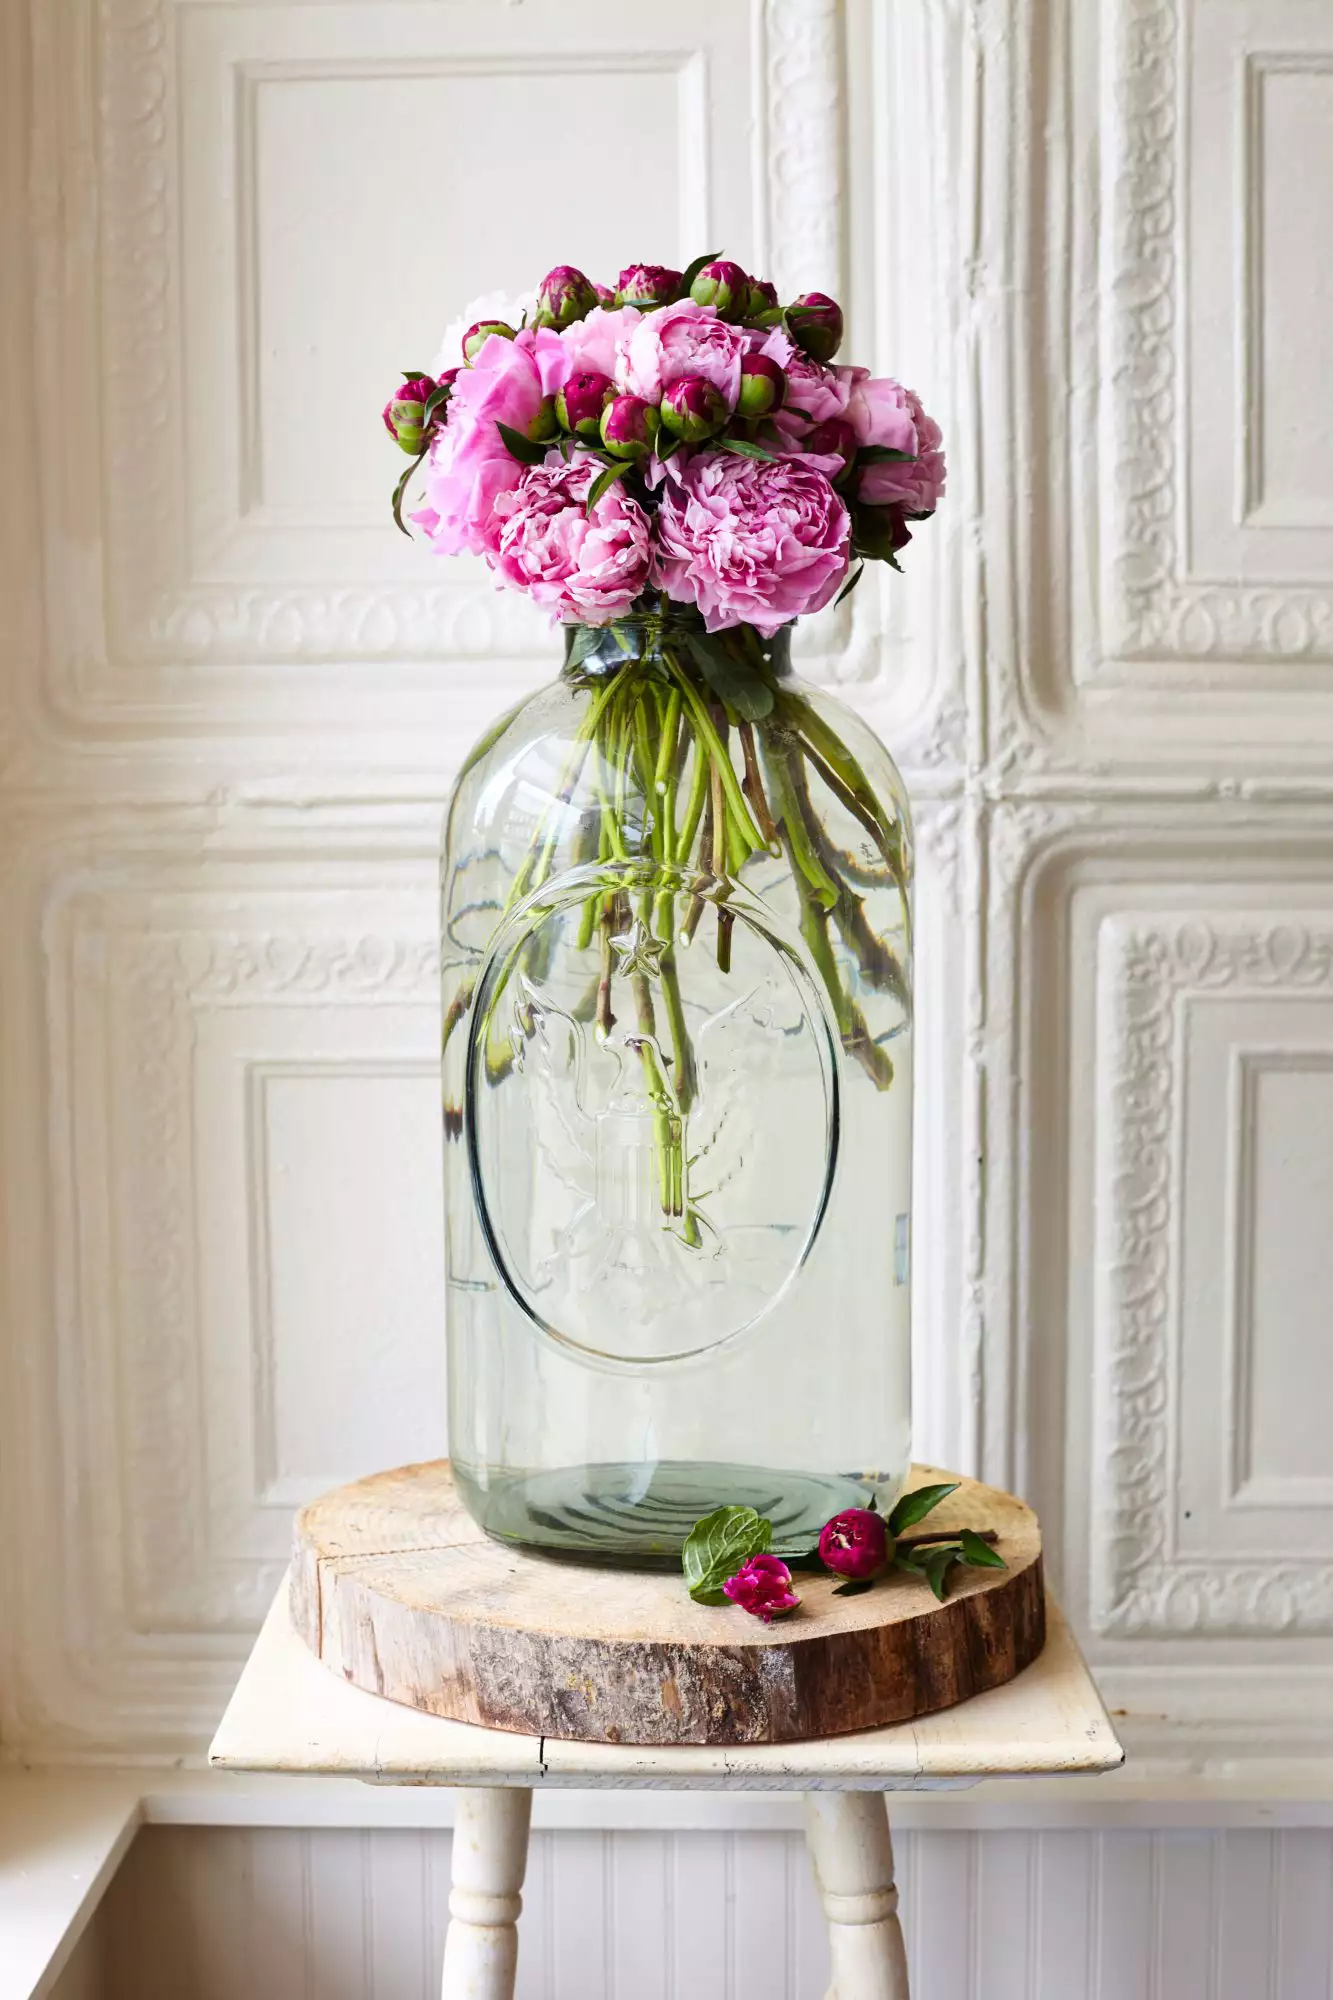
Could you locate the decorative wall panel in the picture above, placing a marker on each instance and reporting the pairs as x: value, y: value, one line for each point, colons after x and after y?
x: 245, y: 1166
x: 1212, y: 1508
x: 1213, y: 441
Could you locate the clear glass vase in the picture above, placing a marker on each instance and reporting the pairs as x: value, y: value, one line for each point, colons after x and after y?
x: 677, y: 1100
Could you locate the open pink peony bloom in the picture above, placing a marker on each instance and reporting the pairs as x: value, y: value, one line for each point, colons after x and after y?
x: 854, y: 1543
x: 681, y: 340
x: 814, y: 391
x: 593, y: 343
x: 584, y: 567
x: 915, y: 485
x: 749, y: 542
x: 469, y: 462
x: 762, y: 1586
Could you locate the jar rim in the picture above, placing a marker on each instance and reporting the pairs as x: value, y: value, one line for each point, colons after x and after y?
x: 639, y: 633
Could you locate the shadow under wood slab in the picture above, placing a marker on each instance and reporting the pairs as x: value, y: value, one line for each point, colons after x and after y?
x: 399, y: 1592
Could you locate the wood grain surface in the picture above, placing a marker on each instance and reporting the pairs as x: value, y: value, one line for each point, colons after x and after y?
x: 397, y: 1590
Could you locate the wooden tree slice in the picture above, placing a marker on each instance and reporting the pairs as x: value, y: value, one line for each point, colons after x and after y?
x: 396, y: 1588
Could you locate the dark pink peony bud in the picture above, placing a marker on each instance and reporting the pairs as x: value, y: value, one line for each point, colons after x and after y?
x: 763, y: 386
x: 647, y: 285
x: 762, y: 1587
x: 724, y: 286
x: 563, y: 296
x: 763, y: 298
x: 405, y: 412
x: 814, y: 322
x: 693, y: 409
x: 834, y: 438
x: 629, y: 427
x: 579, y: 405
x: 854, y: 1543
x: 480, y: 332
x: 605, y: 295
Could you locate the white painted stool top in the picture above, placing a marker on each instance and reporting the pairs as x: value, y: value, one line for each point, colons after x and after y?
x: 289, y: 1713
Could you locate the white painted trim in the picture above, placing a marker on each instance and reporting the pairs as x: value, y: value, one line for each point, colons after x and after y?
x: 62, y: 1838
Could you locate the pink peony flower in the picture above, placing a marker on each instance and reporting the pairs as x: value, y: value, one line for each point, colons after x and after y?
x: 469, y: 462
x: 539, y: 539
x: 593, y: 343
x: 762, y: 1586
x: 854, y: 1543
x: 916, y: 485
x: 679, y: 340
x: 749, y: 541
x: 880, y: 413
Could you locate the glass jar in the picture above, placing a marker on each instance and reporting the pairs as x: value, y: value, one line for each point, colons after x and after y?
x: 677, y: 1078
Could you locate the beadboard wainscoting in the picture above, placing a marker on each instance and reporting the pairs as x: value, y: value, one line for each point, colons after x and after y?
x: 290, y: 1914
x: 1097, y: 238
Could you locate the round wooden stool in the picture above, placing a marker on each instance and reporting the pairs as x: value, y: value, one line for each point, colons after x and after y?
x: 508, y: 1674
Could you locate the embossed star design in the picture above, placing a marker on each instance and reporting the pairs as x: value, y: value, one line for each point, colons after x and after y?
x: 639, y: 951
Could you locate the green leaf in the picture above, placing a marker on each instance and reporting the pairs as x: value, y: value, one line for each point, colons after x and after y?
x: 914, y: 1507
x: 691, y: 272
x: 730, y: 677
x: 716, y: 1547
x: 605, y: 479
x: 793, y: 411
x: 937, y: 1565
x: 850, y: 584
x: 527, y: 450
x: 399, y: 491
x: 436, y: 398
x: 854, y: 1586
x: 978, y: 1553
x: 745, y: 448
x: 880, y: 454
x: 412, y: 374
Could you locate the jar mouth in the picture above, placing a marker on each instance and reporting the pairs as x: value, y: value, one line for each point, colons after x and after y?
x: 646, y: 632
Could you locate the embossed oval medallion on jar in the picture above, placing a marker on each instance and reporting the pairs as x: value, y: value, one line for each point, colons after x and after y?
x: 630, y: 1099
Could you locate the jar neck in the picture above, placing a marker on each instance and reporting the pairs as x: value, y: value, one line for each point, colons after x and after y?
x: 599, y: 651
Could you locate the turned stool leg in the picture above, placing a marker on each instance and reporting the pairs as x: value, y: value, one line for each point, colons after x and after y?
x: 489, y: 1856
x: 848, y: 1837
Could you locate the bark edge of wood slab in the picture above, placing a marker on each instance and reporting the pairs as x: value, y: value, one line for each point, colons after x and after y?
x: 396, y: 1589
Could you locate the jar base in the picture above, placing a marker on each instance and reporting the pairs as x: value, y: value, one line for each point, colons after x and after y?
x: 638, y: 1515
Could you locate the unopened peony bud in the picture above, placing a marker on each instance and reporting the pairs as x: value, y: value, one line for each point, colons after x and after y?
x: 763, y: 298
x: 563, y: 296
x: 724, y: 286
x: 763, y: 386
x: 835, y: 436
x: 580, y: 403
x: 647, y: 285
x: 814, y: 322
x: 629, y: 427
x: 476, y: 336
x: 693, y: 409
x: 546, y: 424
x: 855, y: 1544
x: 605, y: 295
x: 405, y: 414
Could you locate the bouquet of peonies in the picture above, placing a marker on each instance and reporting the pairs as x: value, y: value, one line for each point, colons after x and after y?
x: 678, y: 470
x: 682, y: 439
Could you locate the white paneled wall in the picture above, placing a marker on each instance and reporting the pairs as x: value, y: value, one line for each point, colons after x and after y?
x: 328, y: 1915
x: 1097, y: 239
